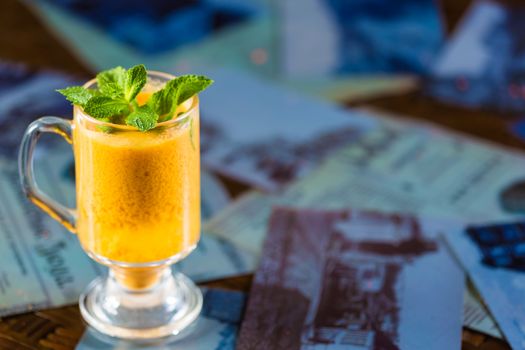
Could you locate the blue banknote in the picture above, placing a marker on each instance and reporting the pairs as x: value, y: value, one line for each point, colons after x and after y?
x: 358, y: 37
x: 482, y: 64
x: 492, y: 257
x: 158, y: 26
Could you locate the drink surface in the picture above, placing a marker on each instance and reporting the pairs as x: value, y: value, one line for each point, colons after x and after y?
x: 138, y: 193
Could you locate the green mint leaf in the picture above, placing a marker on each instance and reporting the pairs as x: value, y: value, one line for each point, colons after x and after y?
x: 77, y: 95
x: 105, y: 107
x: 134, y: 82
x: 189, y: 85
x: 176, y: 91
x: 111, y: 82
x: 162, y: 101
x: 144, y: 118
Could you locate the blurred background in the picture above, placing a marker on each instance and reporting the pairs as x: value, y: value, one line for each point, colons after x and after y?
x: 292, y: 73
x: 402, y: 56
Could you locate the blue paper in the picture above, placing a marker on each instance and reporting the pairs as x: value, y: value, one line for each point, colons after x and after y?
x: 158, y: 26
x: 483, y: 65
x: 26, y: 95
x: 329, y: 37
x: 501, y: 286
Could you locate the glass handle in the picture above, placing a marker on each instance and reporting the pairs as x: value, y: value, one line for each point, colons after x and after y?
x: 66, y: 216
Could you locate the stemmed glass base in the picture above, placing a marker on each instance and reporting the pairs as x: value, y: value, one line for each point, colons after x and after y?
x: 120, y: 308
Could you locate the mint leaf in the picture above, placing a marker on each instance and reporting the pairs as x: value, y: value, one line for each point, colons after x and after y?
x: 134, y: 82
x: 143, y: 118
x: 162, y: 101
x: 77, y: 95
x: 189, y: 85
x: 104, y: 107
x: 111, y: 82
x: 175, y: 92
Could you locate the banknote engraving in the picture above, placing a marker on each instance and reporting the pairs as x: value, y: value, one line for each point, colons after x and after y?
x: 348, y: 278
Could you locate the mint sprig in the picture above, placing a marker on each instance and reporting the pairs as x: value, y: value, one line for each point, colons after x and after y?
x: 105, y: 107
x: 111, y: 82
x: 77, y: 94
x: 176, y: 91
x: 143, y: 118
x: 134, y: 82
x: 114, y: 99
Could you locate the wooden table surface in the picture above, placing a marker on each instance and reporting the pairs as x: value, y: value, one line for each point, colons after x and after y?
x: 24, y: 39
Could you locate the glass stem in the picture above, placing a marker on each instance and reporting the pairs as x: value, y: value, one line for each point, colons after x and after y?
x: 137, y: 279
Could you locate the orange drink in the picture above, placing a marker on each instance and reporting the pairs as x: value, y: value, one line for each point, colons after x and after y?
x: 138, y: 193
x: 135, y: 137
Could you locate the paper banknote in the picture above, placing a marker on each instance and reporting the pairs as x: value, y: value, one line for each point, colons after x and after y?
x: 216, y: 329
x: 476, y: 316
x: 25, y: 95
x: 353, y: 280
x: 482, y: 64
x: 400, y: 167
x: 356, y: 37
x: 129, y: 35
x: 161, y: 27
x: 239, y: 134
x: 216, y: 195
x: 348, y: 89
x: 494, y: 260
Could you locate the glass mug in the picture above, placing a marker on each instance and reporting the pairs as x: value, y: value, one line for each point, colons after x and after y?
x: 138, y: 212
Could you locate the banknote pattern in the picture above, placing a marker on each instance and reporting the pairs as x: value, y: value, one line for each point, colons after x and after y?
x: 355, y: 37
x: 132, y: 26
x: 481, y: 66
x: 500, y: 287
x: 238, y: 134
x: 400, y: 166
x: 476, y: 316
x: 354, y: 279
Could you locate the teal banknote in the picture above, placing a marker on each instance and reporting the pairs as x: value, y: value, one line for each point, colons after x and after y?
x: 400, y: 166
